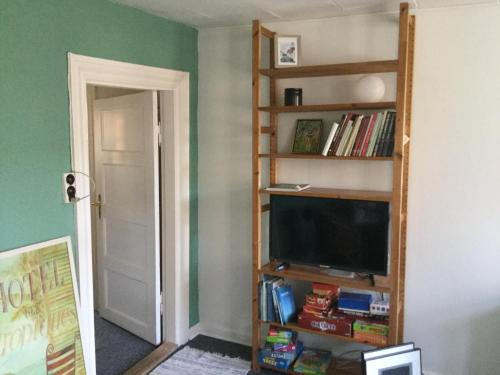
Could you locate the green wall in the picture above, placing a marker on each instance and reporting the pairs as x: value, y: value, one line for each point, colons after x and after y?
x: 35, y: 36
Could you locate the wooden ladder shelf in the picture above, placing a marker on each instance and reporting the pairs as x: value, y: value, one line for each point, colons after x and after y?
x: 394, y: 284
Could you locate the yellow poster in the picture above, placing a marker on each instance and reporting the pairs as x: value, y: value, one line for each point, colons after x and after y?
x: 39, y: 326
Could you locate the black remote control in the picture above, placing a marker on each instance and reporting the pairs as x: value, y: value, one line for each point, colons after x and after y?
x: 282, y: 266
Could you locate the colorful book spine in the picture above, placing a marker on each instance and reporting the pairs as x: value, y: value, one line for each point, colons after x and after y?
x: 329, y: 140
x: 352, y: 136
x: 383, y: 133
x: 366, y: 142
x: 345, y: 136
x: 340, y: 132
x: 389, y: 141
x: 361, y: 135
x: 376, y: 133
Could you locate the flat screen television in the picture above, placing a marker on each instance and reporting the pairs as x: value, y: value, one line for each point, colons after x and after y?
x: 349, y: 235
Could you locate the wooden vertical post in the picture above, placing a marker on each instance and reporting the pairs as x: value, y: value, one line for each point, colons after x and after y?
x: 404, y: 182
x: 256, y: 200
x: 400, y: 172
x: 273, y: 118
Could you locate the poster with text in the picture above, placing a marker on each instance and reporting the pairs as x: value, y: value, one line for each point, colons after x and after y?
x: 39, y: 326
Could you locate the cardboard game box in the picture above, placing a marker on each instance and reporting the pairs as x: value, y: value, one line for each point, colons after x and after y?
x: 336, y: 324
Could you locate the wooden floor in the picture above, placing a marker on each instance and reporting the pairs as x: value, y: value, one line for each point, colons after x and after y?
x: 146, y: 365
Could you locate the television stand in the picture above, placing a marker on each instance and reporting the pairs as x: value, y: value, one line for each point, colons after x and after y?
x: 341, y: 273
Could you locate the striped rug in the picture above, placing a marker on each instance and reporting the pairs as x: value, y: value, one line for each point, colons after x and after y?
x: 189, y: 361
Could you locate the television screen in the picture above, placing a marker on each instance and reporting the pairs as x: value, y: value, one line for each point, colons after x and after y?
x: 350, y: 235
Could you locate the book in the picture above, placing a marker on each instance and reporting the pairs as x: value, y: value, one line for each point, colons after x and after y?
x: 350, y: 142
x: 313, y: 362
x: 383, y: 133
x: 329, y: 140
x: 345, y: 136
x: 386, y: 148
x: 286, y: 303
x: 373, y: 120
x: 376, y: 132
x: 267, y: 306
x: 338, y: 136
x: 288, y: 187
x: 361, y: 135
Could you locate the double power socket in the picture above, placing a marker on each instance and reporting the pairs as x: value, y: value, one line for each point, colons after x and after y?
x: 69, y: 188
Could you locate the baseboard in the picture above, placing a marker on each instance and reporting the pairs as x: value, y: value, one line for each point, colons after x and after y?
x: 194, y: 331
x: 226, y: 335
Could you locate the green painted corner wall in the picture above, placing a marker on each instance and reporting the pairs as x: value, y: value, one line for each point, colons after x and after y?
x: 35, y: 37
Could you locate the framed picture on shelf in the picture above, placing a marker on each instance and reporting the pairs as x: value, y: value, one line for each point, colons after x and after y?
x: 307, y: 136
x: 286, y: 50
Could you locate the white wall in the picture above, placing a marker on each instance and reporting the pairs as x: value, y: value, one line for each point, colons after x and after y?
x: 452, y: 305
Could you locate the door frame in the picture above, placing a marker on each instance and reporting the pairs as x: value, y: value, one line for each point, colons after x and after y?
x: 174, y: 103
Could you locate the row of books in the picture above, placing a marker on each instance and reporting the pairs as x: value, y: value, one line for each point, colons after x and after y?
x: 277, y: 302
x: 284, y: 351
x: 362, y: 135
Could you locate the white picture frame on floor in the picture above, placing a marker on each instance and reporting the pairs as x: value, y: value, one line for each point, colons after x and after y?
x: 406, y: 363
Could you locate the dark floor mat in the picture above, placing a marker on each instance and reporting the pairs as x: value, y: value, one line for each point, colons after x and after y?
x: 117, y: 349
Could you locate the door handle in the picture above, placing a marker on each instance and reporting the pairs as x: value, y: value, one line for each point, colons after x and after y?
x: 98, y: 204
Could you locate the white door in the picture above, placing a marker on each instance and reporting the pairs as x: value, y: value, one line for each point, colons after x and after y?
x: 128, y: 245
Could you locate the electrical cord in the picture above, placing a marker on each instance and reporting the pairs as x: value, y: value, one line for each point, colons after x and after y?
x: 78, y: 199
x: 369, y: 276
x: 342, y: 363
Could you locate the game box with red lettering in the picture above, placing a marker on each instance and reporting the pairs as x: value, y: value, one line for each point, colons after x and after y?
x: 335, y: 324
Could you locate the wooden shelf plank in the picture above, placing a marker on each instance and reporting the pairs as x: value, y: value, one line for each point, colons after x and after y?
x: 363, y: 195
x: 321, y: 157
x: 315, y: 274
x: 327, y: 107
x: 296, y: 327
x: 384, y: 66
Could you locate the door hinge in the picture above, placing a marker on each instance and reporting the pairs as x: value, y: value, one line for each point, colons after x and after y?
x: 159, y: 133
x: 161, y: 304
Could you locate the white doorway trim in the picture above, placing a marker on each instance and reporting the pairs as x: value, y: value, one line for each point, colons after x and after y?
x: 174, y: 99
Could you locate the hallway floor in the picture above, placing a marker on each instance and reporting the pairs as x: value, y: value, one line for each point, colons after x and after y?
x: 117, y: 349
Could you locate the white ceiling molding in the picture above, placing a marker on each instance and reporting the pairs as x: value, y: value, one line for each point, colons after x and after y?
x: 219, y: 13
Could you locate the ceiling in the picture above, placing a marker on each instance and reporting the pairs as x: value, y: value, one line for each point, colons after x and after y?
x: 217, y: 13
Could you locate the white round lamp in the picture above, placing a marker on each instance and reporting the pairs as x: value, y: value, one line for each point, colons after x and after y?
x: 369, y: 89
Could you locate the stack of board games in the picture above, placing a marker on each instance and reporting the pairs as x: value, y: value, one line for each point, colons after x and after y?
x: 320, y: 301
x: 313, y: 362
x: 319, y: 312
x: 281, y: 348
